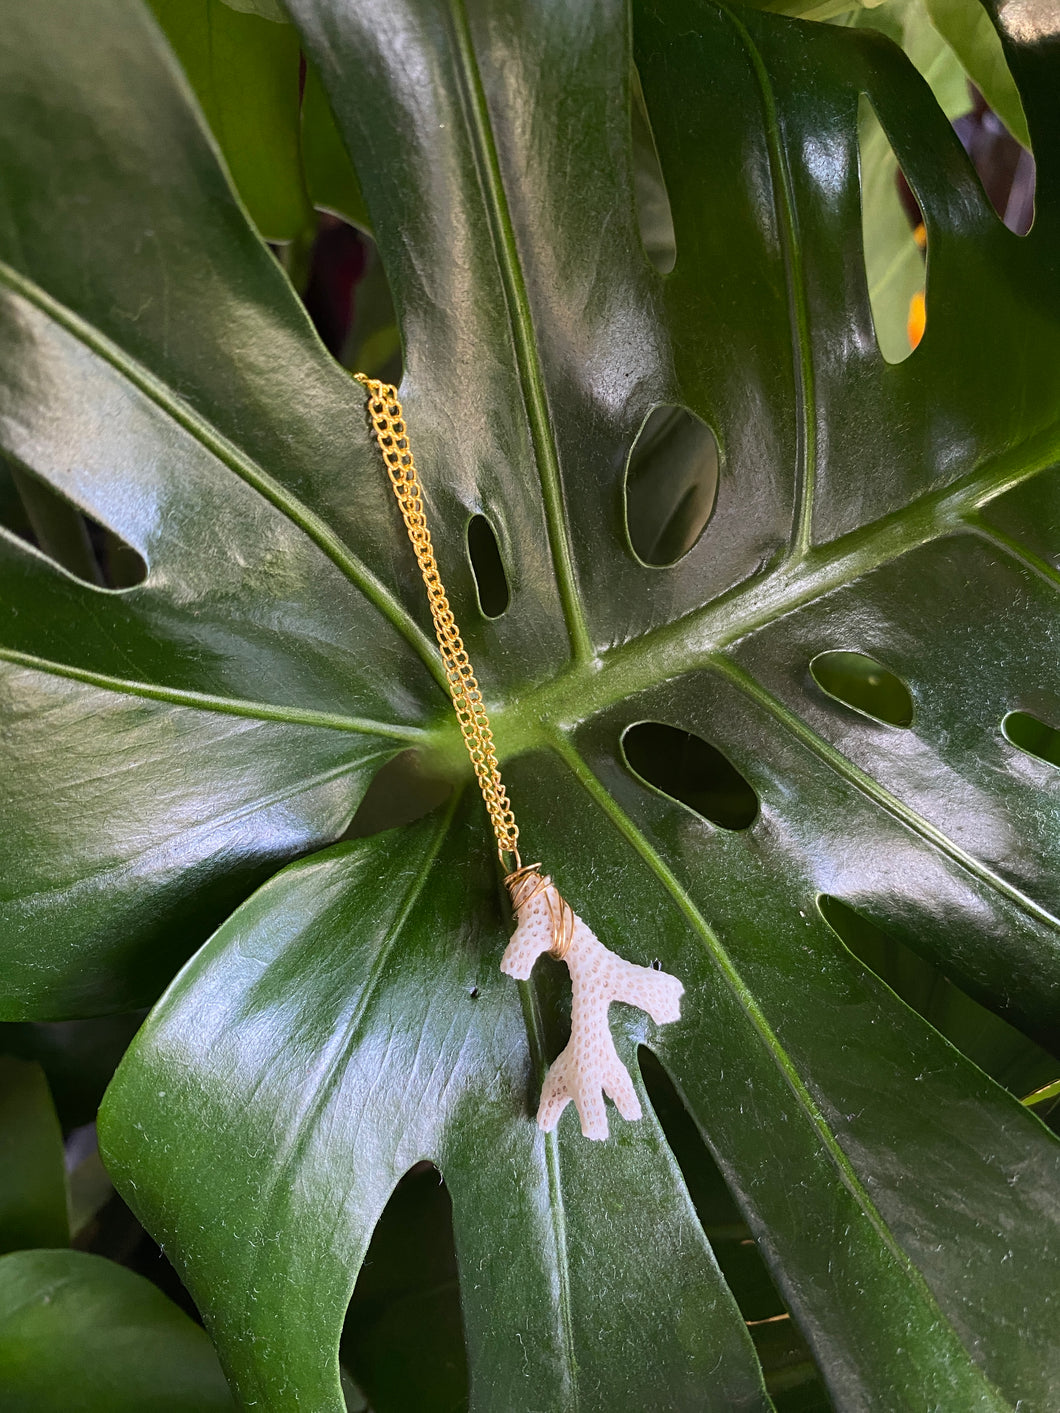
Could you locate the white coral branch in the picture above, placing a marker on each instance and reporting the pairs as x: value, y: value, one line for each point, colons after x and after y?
x: 589, y: 1067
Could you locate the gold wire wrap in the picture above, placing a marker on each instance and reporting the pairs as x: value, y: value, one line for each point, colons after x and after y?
x: 388, y: 423
x: 525, y: 884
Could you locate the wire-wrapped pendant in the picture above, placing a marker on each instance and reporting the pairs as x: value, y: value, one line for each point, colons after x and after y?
x: 589, y: 1066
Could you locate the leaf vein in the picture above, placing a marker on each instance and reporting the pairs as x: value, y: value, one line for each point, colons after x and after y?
x: 798, y: 312
x: 520, y: 319
x: 205, y: 701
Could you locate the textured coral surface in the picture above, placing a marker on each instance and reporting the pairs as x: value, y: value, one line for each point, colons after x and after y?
x: 589, y: 1067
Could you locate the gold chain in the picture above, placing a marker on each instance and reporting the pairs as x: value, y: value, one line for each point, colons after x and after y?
x: 388, y: 423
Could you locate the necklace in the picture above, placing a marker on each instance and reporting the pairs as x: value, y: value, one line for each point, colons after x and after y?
x: 589, y: 1066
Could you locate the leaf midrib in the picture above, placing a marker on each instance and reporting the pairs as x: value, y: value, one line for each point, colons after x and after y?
x: 701, y: 639
x: 761, y: 1028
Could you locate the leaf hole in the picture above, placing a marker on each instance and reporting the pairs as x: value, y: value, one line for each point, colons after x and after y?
x: 864, y: 685
x: 339, y: 277
x: 325, y: 266
x: 1002, y: 1051
x: 401, y: 792
x: 791, y: 1375
x: 996, y: 138
x: 691, y: 771
x: 894, y: 242
x: 654, y: 217
x: 1030, y: 734
x: 31, y: 509
x: 403, y: 1339
x: 491, y: 582
x: 671, y: 485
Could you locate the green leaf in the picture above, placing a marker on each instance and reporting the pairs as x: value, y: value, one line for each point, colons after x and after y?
x: 908, y: 23
x: 81, y: 1335
x: 32, y: 1178
x: 56, y: 526
x: 1047, y: 1091
x: 244, y: 71
x: 653, y: 204
x: 329, y: 175
x: 969, y: 30
x: 895, y: 265
x: 197, y: 765
x: 374, y: 343
x: 349, y: 1020
x: 388, y: 938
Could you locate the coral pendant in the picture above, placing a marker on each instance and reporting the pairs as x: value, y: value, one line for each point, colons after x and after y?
x: 589, y: 1067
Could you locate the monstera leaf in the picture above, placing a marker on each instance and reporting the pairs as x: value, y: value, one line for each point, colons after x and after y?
x: 169, y: 744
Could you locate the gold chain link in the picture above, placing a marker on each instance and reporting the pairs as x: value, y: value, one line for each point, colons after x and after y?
x: 388, y: 423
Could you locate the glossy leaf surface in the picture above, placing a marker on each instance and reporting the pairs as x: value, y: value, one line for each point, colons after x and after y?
x: 280, y: 1020
x: 349, y: 1020
x: 196, y: 767
x: 81, y: 1335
